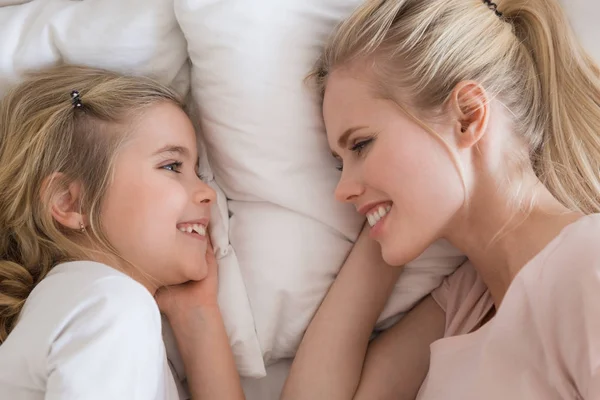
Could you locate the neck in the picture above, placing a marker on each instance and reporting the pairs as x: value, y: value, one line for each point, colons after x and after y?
x: 500, y: 240
x: 120, y: 265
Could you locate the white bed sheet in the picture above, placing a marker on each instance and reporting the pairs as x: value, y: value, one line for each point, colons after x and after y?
x: 269, y: 387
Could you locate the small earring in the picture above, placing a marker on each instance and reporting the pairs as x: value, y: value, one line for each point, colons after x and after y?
x: 81, y: 227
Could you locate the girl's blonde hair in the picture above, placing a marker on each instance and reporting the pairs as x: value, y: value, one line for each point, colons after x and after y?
x: 528, y: 58
x: 45, y: 144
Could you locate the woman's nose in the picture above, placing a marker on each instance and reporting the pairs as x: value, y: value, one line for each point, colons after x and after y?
x: 348, y: 189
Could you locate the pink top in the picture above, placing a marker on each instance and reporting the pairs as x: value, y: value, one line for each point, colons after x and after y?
x: 544, y: 341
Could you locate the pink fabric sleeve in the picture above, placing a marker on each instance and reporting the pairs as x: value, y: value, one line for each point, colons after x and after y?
x: 464, y: 298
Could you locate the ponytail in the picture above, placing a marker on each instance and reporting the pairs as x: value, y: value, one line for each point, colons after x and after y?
x: 525, y: 55
x: 16, y: 284
x: 567, y: 159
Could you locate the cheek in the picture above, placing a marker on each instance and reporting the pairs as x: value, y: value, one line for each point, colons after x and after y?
x: 420, y: 178
x: 161, y: 195
x: 397, y: 168
x: 143, y: 209
x: 423, y: 204
x: 417, y: 169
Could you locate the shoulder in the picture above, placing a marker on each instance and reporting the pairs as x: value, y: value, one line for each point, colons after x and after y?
x: 464, y: 298
x: 82, y: 279
x: 582, y: 234
x: 87, y: 290
x: 464, y: 279
x: 572, y: 257
x: 98, y: 326
x: 566, y: 290
x: 563, y: 281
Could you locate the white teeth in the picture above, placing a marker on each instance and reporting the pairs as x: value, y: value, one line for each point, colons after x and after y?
x: 199, y: 229
x: 371, y: 220
x: 378, y: 214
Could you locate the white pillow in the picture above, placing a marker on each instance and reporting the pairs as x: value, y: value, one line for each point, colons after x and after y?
x: 6, y: 3
x: 133, y: 36
x: 268, y: 151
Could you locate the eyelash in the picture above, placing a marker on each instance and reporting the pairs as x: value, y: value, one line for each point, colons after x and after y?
x: 176, y: 167
x: 358, y: 148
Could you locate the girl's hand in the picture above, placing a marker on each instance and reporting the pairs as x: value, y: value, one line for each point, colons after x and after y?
x: 201, y: 336
x: 191, y: 295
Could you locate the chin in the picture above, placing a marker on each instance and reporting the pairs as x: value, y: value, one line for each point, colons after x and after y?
x: 197, y: 272
x: 391, y: 258
x: 398, y: 255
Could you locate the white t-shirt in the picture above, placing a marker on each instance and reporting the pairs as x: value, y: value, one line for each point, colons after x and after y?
x: 87, y: 332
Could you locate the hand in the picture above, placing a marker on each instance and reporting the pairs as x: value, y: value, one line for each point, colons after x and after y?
x: 181, y: 298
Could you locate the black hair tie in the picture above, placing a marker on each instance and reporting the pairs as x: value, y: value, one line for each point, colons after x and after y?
x: 493, y: 6
x: 76, y: 99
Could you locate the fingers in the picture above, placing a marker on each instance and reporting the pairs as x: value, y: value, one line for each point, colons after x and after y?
x: 210, y: 251
x: 211, y: 258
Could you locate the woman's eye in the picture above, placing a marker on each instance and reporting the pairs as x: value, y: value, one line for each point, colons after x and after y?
x: 203, y: 178
x: 175, y: 167
x: 340, y: 167
x: 359, y: 147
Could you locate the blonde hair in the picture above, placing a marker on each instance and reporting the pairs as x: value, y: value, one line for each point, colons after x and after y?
x: 528, y: 58
x: 45, y: 144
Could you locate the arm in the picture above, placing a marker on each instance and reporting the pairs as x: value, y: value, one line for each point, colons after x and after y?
x: 335, y: 359
x: 207, y: 356
x: 329, y: 361
x: 195, y: 317
x: 398, y: 360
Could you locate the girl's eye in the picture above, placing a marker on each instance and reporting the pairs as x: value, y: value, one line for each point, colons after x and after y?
x: 340, y: 167
x: 175, y: 167
x: 359, y: 147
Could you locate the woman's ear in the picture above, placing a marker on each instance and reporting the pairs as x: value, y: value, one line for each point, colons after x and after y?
x: 469, y: 105
x: 64, y: 200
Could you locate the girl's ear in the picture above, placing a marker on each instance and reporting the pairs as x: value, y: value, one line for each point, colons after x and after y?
x: 64, y: 200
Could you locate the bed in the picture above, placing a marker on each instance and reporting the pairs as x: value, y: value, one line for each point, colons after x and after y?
x: 279, y: 235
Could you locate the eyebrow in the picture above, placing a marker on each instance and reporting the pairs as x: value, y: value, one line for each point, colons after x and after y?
x: 171, y: 148
x: 343, y: 139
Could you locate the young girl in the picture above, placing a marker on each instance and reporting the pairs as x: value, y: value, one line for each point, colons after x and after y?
x: 102, y: 211
x: 479, y: 123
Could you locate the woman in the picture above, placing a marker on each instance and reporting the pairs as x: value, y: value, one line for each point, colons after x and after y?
x: 478, y: 123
